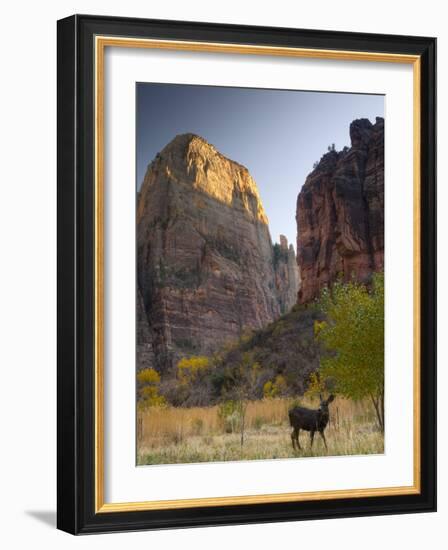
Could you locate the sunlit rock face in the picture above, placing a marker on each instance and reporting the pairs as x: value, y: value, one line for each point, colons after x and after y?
x: 205, y: 259
x: 340, y: 213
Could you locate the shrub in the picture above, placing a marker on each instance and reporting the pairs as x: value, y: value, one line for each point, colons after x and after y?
x: 192, y: 368
x: 229, y: 414
x: 148, y: 381
x: 276, y: 387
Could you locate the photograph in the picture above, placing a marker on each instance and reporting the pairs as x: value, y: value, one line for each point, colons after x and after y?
x: 260, y: 274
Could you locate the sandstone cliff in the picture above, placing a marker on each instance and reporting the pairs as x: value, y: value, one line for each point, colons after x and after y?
x: 287, y: 280
x: 145, y: 354
x: 340, y: 213
x: 205, y: 262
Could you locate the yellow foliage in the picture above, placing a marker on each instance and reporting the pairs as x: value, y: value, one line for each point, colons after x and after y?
x: 154, y: 400
x: 267, y: 389
x: 188, y: 369
x: 148, y: 376
x: 275, y: 388
x: 315, y: 386
x: 318, y: 326
x: 148, y: 380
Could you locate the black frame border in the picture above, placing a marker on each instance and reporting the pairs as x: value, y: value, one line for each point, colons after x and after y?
x: 75, y: 272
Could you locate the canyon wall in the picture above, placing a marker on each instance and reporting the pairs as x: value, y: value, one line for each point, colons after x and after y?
x: 205, y: 261
x: 340, y: 213
x: 287, y: 279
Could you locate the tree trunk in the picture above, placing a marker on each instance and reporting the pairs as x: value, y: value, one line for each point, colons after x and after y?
x: 382, y: 408
x: 243, y: 421
x: 378, y: 403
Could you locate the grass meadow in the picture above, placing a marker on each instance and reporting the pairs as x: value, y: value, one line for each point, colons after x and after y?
x: 170, y: 435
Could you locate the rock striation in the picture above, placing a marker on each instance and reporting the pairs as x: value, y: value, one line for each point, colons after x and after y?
x: 205, y: 259
x: 340, y: 213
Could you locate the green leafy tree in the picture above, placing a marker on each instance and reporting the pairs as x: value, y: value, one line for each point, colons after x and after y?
x: 353, y: 336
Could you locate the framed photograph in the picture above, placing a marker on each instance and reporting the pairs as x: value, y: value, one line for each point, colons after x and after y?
x: 246, y: 274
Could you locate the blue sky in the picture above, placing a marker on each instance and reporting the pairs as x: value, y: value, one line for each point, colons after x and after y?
x: 276, y: 134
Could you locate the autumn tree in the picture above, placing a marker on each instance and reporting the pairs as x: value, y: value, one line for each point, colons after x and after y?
x: 353, y: 336
x: 317, y: 384
x: 148, y: 381
x: 275, y: 388
x: 193, y: 380
x: 190, y: 369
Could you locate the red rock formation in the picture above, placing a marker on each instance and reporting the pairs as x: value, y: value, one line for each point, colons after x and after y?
x: 340, y: 213
x: 205, y: 257
x: 287, y: 281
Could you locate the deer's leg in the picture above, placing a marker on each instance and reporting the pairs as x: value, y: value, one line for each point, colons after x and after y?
x: 293, y: 437
x: 323, y: 437
x: 297, y: 438
x: 311, y: 438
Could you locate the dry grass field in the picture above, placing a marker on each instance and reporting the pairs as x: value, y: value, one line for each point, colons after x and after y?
x: 169, y: 435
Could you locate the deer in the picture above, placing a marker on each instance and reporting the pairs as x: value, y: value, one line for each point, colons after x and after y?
x: 310, y: 420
